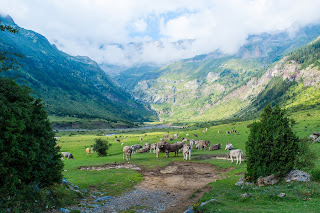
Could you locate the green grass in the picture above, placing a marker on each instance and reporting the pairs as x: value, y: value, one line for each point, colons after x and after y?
x: 300, y: 197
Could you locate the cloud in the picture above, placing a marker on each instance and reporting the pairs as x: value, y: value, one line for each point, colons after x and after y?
x: 105, y: 30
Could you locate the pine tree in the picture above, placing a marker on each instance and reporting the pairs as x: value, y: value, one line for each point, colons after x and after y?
x: 272, y: 146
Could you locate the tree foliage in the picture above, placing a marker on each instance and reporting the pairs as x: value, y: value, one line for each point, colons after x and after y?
x: 272, y: 146
x: 101, y: 146
x: 307, y: 55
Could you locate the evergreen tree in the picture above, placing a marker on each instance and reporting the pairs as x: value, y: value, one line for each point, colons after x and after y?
x: 272, y: 146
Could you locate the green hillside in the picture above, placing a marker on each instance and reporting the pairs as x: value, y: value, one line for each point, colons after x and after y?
x: 69, y: 86
x: 212, y: 88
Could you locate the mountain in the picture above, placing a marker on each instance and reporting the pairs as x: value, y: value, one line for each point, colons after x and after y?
x: 69, y: 86
x: 218, y: 86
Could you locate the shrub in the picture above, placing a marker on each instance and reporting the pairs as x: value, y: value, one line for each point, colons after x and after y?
x: 101, y: 146
x: 272, y: 146
x: 28, y: 157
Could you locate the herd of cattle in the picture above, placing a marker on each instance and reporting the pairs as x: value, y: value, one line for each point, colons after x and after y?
x: 185, y: 146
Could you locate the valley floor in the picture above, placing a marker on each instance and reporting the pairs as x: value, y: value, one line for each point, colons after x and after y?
x: 150, y: 184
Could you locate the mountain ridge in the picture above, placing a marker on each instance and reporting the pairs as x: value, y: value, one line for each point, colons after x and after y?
x: 69, y: 86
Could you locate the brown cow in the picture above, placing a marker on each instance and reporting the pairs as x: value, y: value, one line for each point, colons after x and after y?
x: 160, y: 147
x: 203, y: 144
x: 127, y: 151
x: 215, y: 147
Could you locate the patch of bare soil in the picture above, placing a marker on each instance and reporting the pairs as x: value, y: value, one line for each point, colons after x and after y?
x: 170, y: 189
x: 181, y: 179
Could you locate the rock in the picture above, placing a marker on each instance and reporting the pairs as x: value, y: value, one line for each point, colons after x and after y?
x: 64, y: 210
x: 269, y: 180
x: 189, y: 210
x: 204, y: 203
x: 241, y: 182
x: 66, y: 182
x: 297, y: 175
x: 246, y: 195
x: 282, y: 195
x: 102, y: 198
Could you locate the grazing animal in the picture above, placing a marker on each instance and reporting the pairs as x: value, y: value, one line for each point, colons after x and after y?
x: 203, y: 131
x: 195, y: 135
x: 166, y: 136
x: 186, y: 151
x: 192, y: 143
x: 228, y: 146
x: 176, y: 135
x: 143, y: 150
x: 187, y: 135
x: 160, y: 147
x: 88, y: 151
x: 153, y: 147
x: 141, y: 139
x: 147, y: 146
x: 227, y: 132
x: 206, y: 129
x: 56, y: 138
x: 171, y: 148
x: 218, y: 131
x: 235, y: 153
x: 127, y: 150
x: 203, y: 144
x: 67, y: 155
x: 118, y: 140
x: 185, y: 139
x: 122, y: 144
x: 171, y: 139
x: 134, y: 148
x: 180, y: 144
x: 215, y: 147
x: 163, y: 146
x: 92, y: 150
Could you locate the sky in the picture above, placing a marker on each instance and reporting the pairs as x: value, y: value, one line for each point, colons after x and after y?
x: 133, y: 32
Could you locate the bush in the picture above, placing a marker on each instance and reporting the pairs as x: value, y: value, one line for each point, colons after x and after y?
x: 101, y: 146
x: 272, y: 146
x: 28, y: 157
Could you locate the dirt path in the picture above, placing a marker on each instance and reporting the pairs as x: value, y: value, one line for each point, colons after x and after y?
x: 171, y: 189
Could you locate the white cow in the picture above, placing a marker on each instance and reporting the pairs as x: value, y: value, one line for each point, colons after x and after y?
x: 235, y: 153
x: 186, y: 150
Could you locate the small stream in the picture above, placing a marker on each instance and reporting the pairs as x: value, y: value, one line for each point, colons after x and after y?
x: 120, y: 129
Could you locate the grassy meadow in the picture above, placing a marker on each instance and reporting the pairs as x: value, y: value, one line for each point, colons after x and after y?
x: 300, y: 196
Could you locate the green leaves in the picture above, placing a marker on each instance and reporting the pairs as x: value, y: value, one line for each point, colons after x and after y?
x: 272, y: 146
x: 101, y: 146
x: 27, y: 149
